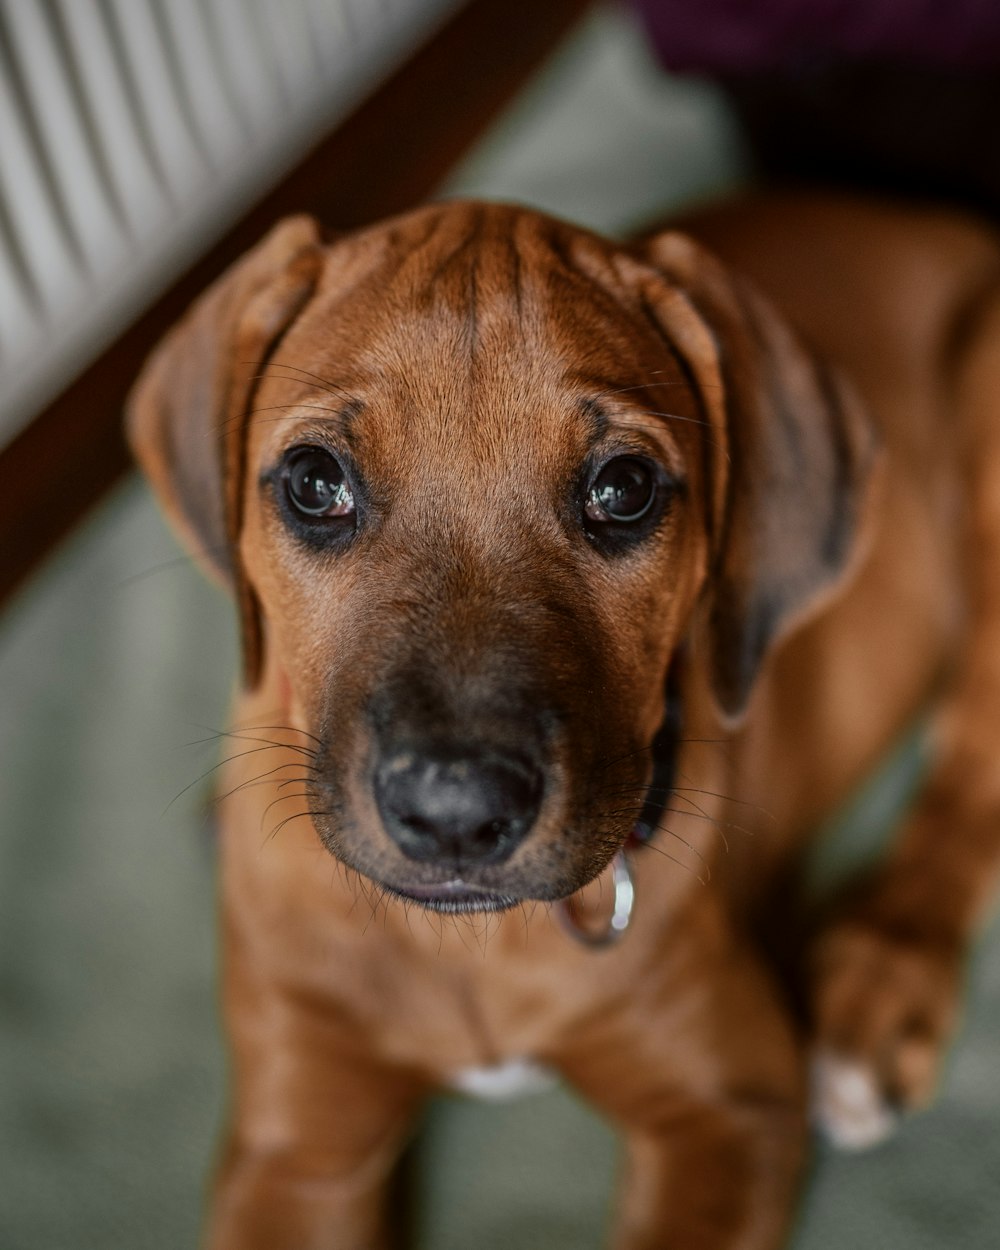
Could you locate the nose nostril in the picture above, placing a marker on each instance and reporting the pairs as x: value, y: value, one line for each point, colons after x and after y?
x: 422, y: 828
x: 495, y: 833
x: 465, y: 806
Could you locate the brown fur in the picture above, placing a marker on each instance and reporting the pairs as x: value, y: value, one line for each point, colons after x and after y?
x: 471, y: 360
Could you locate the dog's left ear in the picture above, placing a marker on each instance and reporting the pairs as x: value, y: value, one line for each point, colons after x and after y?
x: 792, y: 451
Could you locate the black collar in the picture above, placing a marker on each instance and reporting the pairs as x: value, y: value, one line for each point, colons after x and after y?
x: 664, y: 749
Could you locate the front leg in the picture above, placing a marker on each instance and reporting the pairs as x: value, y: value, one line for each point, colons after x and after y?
x: 701, y: 1068
x: 711, y: 1178
x: 886, y: 974
x: 318, y: 1127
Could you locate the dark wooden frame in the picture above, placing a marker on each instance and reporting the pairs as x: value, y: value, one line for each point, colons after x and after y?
x: 389, y: 154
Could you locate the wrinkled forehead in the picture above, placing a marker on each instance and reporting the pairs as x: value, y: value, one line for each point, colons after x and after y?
x: 478, y: 323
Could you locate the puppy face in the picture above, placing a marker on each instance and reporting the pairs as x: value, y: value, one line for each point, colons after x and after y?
x: 474, y: 522
x: 472, y: 475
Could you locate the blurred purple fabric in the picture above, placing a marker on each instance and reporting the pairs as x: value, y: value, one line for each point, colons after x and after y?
x: 727, y: 36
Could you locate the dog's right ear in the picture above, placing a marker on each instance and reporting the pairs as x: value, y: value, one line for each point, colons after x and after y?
x: 186, y: 416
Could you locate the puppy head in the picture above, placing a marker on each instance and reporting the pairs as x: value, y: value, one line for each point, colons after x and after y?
x: 473, y: 473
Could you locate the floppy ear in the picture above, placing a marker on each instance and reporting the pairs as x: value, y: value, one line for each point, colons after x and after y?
x: 792, y: 456
x: 186, y: 416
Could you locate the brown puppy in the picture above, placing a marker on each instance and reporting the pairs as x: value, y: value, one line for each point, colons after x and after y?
x: 502, y: 503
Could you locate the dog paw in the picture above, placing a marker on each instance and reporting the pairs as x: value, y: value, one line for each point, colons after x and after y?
x: 884, y: 1010
x: 848, y: 1105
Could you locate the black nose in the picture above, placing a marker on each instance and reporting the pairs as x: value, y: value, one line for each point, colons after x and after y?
x: 468, y: 806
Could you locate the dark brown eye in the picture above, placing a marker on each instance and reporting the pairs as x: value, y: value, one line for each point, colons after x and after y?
x: 316, y: 485
x: 622, y: 492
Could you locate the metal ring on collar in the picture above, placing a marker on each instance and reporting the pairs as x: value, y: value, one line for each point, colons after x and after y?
x: 621, y: 915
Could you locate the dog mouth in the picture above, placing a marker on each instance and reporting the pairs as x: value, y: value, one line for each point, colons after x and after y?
x: 454, y: 897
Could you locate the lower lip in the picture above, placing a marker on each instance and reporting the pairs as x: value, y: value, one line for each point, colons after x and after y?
x: 454, y: 897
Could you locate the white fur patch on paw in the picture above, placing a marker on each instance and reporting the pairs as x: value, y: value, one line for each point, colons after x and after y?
x: 504, y: 1081
x: 847, y: 1103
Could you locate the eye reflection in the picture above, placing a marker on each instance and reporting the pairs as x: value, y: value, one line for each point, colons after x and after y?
x: 316, y: 485
x: 622, y: 492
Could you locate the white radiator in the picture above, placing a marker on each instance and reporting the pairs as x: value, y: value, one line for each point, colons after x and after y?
x: 133, y: 131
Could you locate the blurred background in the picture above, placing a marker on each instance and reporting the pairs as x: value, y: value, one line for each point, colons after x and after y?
x: 143, y: 143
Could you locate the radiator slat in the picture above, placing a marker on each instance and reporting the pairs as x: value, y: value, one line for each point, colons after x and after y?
x: 133, y: 131
x: 43, y: 244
